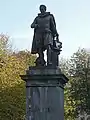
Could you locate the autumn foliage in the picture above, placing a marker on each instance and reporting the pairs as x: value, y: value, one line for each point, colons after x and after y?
x: 12, y: 88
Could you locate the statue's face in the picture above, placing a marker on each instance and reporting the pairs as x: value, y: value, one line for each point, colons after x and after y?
x: 42, y: 9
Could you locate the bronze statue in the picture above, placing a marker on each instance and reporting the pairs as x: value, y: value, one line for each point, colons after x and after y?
x: 44, y: 38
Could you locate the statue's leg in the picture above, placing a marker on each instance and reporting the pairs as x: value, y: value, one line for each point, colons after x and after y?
x: 41, y: 56
x: 49, y: 55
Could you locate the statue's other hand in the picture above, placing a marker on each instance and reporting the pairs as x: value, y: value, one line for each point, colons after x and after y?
x: 56, y: 36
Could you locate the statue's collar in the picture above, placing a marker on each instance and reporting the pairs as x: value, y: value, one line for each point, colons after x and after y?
x: 43, y: 15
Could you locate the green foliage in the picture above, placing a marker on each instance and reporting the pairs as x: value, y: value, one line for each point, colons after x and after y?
x: 77, y: 91
x: 80, y: 84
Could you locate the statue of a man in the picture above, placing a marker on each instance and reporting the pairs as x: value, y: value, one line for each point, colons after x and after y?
x: 44, y: 33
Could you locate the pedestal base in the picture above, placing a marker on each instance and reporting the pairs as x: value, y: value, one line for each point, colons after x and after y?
x: 44, y: 93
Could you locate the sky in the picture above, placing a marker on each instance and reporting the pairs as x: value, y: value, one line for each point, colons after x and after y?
x: 72, y: 20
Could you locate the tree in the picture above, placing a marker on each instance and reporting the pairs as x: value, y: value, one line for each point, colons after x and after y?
x: 80, y: 84
x: 77, y: 91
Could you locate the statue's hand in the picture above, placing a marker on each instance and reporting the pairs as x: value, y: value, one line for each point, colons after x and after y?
x: 57, y: 37
x: 36, y: 26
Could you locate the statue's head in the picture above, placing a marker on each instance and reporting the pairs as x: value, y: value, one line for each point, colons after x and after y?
x: 42, y: 8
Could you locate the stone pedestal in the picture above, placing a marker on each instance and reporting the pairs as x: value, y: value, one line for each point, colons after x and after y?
x: 44, y: 93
